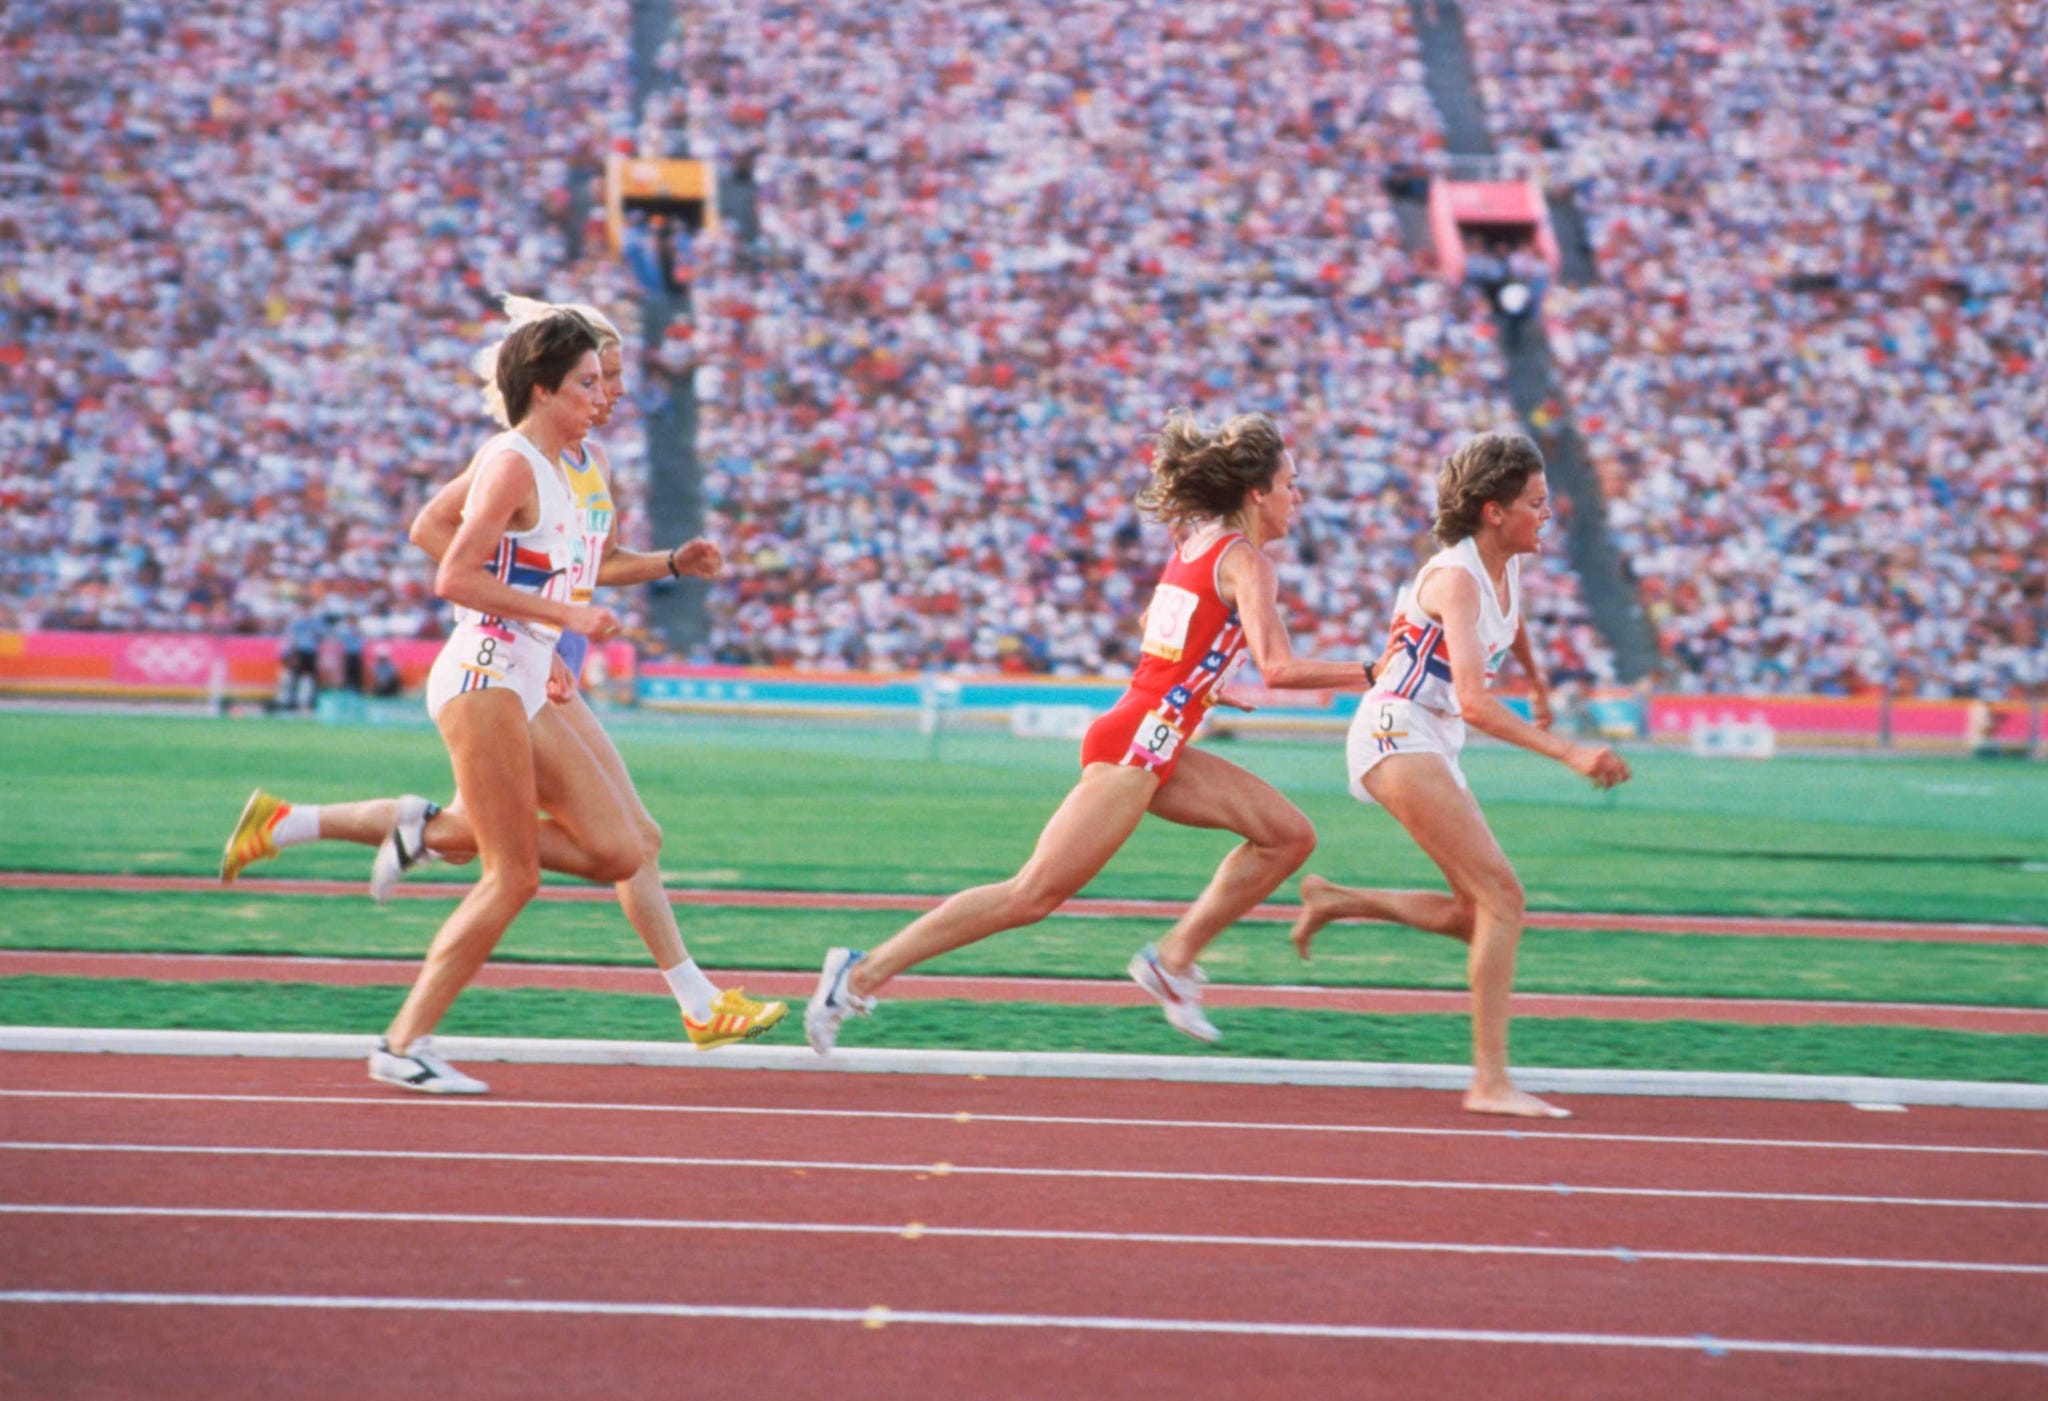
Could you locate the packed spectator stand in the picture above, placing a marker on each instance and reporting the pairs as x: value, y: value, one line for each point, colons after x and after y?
x: 257, y: 247
x: 1814, y: 368
x: 996, y: 245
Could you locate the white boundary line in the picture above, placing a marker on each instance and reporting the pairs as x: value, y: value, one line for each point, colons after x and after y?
x: 1206, y: 1069
x: 916, y: 1230
x: 879, y: 1316
x: 949, y: 1169
x: 963, y: 1116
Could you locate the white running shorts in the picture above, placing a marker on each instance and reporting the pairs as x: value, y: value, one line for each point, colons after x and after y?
x: 1388, y: 725
x: 478, y: 657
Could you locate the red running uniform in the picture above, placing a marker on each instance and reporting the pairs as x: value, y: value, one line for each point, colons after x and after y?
x: 1194, y: 644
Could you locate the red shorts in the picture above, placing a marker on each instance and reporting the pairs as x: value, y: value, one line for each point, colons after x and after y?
x: 1136, y: 732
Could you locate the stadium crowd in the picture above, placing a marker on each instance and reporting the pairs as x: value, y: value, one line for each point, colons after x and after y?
x: 259, y: 244
x: 996, y: 246
x: 1812, y: 367
x: 251, y: 251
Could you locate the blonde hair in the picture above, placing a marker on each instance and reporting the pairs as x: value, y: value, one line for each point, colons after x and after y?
x: 1203, y: 474
x: 1492, y: 467
x: 524, y: 311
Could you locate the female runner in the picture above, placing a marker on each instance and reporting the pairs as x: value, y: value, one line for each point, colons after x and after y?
x: 507, y: 572
x: 1232, y: 492
x: 1452, y: 628
x: 409, y: 828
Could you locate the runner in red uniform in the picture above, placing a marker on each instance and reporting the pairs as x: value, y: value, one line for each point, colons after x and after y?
x: 1228, y: 493
x: 1194, y: 644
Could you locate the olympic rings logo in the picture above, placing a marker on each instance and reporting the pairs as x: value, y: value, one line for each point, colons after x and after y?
x: 171, y: 659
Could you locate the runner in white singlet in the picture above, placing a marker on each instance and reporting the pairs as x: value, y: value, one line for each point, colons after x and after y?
x: 1414, y: 709
x: 1454, y: 628
x: 504, y: 572
x: 487, y: 650
x: 596, y: 816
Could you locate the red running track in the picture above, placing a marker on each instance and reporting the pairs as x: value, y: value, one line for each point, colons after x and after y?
x: 630, y: 1231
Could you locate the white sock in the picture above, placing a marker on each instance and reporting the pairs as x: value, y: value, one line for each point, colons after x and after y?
x: 295, y: 825
x: 692, y: 989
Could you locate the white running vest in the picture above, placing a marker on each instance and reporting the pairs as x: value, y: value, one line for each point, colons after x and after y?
x: 1423, y: 672
x: 538, y: 560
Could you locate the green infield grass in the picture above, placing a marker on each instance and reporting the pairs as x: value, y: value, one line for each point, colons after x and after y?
x: 828, y: 807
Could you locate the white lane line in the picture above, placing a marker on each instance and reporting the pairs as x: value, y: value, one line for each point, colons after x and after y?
x: 1067, y: 1065
x: 873, y: 1315
x: 415, y: 1102
x: 919, y: 1230
x: 947, y: 1169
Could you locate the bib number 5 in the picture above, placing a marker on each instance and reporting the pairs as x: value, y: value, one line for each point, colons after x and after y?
x: 1387, y: 716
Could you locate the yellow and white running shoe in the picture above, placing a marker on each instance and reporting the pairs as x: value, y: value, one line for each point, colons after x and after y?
x: 251, y: 840
x: 734, y: 1017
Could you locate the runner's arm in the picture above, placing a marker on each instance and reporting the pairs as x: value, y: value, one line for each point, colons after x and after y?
x: 502, y: 492
x: 433, y: 529
x: 698, y: 559
x: 1251, y: 585
x: 1451, y: 596
x: 1539, y: 687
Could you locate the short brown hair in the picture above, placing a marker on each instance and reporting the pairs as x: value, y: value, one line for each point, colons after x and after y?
x: 540, y: 354
x: 1203, y: 474
x: 1492, y: 467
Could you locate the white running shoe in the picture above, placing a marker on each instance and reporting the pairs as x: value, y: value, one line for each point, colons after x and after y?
x: 422, y: 1068
x: 403, y: 848
x: 834, y: 1001
x: 1180, y: 998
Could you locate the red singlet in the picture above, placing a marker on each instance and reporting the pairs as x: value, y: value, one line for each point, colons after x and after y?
x: 1193, y: 646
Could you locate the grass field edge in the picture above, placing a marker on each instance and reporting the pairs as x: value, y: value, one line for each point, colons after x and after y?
x: 1043, y: 1064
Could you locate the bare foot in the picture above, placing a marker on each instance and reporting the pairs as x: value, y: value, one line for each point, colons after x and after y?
x: 1511, y: 1101
x: 1315, y: 913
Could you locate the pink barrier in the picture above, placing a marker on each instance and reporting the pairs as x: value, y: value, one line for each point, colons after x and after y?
x: 189, y: 665
x: 1848, y: 720
x: 1854, y: 720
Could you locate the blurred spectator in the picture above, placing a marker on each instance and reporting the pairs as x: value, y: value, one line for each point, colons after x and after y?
x: 385, y: 680
x: 300, y: 686
x: 349, y: 638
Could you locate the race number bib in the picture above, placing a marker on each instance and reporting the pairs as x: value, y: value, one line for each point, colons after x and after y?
x: 488, y: 655
x: 1386, y: 716
x: 1167, y: 622
x: 1155, y: 742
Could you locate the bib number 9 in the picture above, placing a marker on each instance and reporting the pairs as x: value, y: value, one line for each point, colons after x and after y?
x: 1156, y: 740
